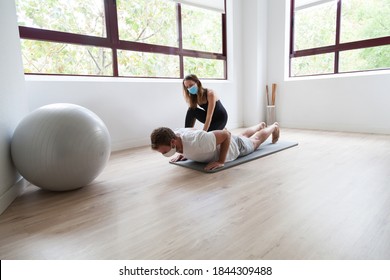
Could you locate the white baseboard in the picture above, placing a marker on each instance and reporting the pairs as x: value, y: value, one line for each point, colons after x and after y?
x: 337, y: 127
x: 13, y: 192
x: 131, y: 143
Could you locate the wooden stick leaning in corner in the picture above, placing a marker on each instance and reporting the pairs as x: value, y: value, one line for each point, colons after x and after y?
x: 266, y: 94
x: 273, y: 94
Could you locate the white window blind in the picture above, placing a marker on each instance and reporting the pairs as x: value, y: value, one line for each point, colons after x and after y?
x: 215, y: 5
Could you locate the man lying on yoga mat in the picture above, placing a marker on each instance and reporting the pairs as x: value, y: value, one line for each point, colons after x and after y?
x: 215, y: 147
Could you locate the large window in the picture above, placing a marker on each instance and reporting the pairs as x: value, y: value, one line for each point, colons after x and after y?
x: 122, y: 38
x: 339, y: 36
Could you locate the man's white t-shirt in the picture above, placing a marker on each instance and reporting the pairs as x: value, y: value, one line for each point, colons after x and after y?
x: 200, y: 146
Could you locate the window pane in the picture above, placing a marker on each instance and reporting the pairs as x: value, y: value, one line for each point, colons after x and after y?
x: 148, y: 21
x: 362, y: 19
x: 142, y: 64
x: 57, y: 58
x: 311, y: 65
x: 365, y: 59
x: 204, y: 68
x: 315, y: 26
x: 202, y: 29
x: 74, y: 16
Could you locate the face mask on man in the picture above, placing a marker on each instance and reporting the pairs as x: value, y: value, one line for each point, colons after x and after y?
x: 193, y: 90
x: 170, y: 153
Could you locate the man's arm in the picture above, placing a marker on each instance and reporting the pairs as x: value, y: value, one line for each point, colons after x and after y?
x: 222, y: 138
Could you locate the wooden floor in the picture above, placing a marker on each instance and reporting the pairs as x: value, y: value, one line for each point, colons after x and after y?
x: 327, y: 198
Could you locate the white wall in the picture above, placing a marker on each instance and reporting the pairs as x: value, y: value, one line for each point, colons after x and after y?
x: 13, y: 103
x: 132, y: 108
x: 254, y: 40
x: 355, y: 102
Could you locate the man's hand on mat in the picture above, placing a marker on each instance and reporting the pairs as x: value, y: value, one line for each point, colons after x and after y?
x: 213, y: 165
x: 178, y: 158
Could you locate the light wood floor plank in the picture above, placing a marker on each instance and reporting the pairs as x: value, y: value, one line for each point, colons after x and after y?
x: 327, y: 198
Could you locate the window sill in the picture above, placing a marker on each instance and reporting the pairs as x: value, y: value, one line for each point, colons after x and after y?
x: 57, y: 78
x: 339, y: 76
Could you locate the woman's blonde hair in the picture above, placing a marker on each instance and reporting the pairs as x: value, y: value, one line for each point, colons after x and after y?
x: 194, y: 99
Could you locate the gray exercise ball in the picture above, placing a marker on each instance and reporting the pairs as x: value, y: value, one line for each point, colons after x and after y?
x: 61, y: 147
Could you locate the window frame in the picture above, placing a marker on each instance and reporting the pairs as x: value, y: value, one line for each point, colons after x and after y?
x: 113, y: 42
x: 336, y: 48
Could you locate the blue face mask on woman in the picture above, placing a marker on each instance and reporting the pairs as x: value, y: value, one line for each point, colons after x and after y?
x: 193, y: 90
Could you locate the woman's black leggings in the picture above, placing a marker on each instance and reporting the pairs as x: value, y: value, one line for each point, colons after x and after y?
x: 218, y: 121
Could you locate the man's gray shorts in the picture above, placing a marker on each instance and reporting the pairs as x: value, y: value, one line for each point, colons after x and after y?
x: 245, y: 145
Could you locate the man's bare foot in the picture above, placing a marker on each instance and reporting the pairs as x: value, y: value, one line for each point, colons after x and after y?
x: 276, y: 133
x: 252, y: 131
x: 262, y: 125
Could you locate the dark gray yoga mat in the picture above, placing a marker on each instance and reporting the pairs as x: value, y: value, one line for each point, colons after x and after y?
x: 265, y: 149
